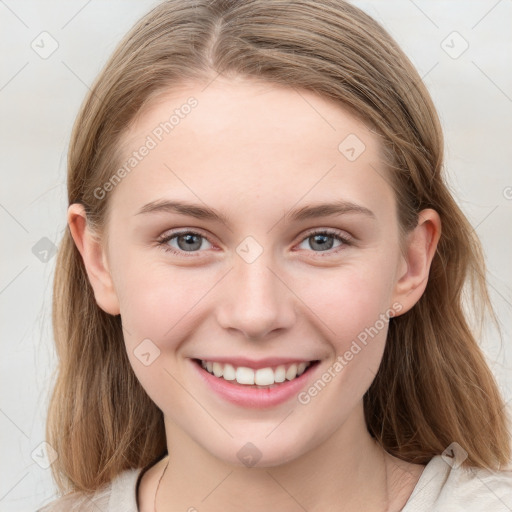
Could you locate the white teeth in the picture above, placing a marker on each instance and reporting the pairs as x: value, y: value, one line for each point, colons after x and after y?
x: 264, y: 377
x: 244, y: 375
x: 260, y: 377
x: 229, y: 372
x: 217, y: 370
x: 291, y: 373
x: 280, y: 374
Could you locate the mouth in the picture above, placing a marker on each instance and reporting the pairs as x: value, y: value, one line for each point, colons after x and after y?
x: 261, y: 378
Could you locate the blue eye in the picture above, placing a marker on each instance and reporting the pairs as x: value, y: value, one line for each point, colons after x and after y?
x: 187, y: 241
x: 324, y: 240
x: 191, y: 242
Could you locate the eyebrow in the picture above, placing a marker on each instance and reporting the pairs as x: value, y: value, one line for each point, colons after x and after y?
x: 312, y: 211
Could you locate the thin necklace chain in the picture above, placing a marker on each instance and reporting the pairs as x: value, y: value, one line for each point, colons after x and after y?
x: 383, y: 456
x: 158, y: 486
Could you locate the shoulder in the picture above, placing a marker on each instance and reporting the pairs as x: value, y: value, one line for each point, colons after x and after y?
x: 475, y: 489
x: 442, y: 487
x: 120, y: 495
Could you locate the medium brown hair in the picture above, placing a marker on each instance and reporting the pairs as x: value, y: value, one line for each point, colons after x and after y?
x: 433, y: 386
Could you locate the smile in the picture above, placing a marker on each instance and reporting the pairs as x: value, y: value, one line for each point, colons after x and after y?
x: 261, y: 377
x: 255, y: 384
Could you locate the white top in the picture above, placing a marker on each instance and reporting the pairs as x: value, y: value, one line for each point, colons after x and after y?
x: 440, y: 488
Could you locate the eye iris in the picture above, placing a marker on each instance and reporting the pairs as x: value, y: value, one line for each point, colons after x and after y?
x: 190, y: 244
x: 325, y: 242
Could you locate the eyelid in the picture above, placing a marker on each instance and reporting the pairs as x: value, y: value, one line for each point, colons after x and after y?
x: 329, y: 231
x: 182, y: 231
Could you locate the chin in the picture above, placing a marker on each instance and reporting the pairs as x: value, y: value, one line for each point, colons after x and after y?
x: 254, y: 451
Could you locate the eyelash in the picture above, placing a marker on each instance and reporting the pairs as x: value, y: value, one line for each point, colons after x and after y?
x: 346, y: 241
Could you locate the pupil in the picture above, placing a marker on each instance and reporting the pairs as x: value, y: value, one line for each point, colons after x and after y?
x: 189, y: 242
x: 322, y: 241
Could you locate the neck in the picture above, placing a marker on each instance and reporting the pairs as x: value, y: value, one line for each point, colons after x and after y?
x: 335, y: 474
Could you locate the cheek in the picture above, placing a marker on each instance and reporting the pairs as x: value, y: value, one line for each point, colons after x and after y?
x: 159, y: 308
x: 349, y: 299
x: 353, y: 305
x: 157, y: 300
x: 354, y: 310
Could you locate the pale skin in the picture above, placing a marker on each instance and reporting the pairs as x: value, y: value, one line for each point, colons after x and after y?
x: 255, y: 152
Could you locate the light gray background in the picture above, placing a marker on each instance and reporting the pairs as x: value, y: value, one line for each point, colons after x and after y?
x: 39, y: 99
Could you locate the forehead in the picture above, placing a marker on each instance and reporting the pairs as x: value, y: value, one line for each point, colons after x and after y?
x: 237, y: 141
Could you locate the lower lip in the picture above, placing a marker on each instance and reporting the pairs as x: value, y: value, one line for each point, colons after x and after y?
x: 255, y: 398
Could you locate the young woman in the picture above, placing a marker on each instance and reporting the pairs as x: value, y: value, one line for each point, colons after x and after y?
x: 258, y: 303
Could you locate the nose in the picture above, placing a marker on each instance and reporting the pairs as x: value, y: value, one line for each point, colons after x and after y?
x: 255, y: 300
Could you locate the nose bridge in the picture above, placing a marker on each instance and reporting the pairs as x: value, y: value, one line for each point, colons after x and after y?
x: 256, y: 301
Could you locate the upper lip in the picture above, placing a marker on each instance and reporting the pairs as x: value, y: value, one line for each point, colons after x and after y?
x: 268, y: 362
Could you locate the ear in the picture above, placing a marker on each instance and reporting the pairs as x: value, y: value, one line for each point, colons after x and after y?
x: 421, y: 246
x: 94, y: 258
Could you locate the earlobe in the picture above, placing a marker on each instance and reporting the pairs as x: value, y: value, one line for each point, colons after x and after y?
x: 94, y: 258
x: 421, y: 247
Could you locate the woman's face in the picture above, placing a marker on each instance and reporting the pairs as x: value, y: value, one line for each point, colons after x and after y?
x: 266, y: 277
